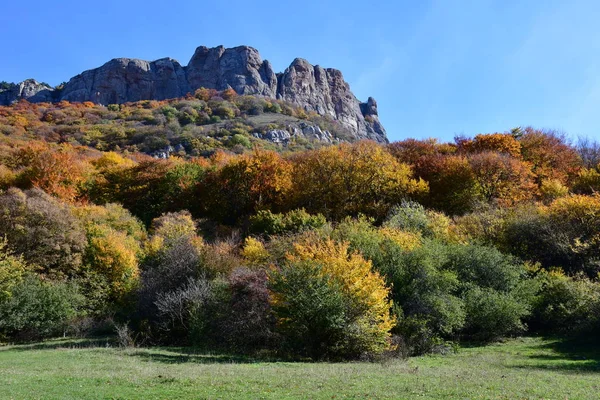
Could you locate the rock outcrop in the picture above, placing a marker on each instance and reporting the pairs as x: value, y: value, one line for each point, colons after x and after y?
x: 295, y: 131
x: 316, y: 89
x: 29, y: 89
x: 239, y: 68
x: 122, y: 80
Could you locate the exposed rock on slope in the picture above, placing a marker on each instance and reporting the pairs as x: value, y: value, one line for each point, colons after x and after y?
x: 123, y: 79
x: 322, y: 90
x: 29, y: 89
x: 240, y: 68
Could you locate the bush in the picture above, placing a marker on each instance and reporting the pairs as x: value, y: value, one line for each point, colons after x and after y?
x: 248, y: 323
x: 114, y: 216
x: 239, y: 139
x: 329, y: 303
x: 221, y: 257
x: 483, y: 226
x: 310, y: 309
x: 413, y: 217
x: 492, y: 314
x: 114, y: 256
x: 294, y: 221
x: 418, y: 336
x: 566, y: 304
x: 172, y: 226
x: 12, y: 270
x: 425, y: 293
x: 254, y: 252
x: 564, y: 234
x: 43, y: 230
x: 183, y: 314
x: 409, y: 216
x: 485, y: 267
x: 114, y: 250
x: 166, y: 271
x: 422, y: 288
x: 39, y: 309
x: 382, y: 246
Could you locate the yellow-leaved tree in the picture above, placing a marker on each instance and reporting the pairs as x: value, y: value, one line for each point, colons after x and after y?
x: 329, y: 302
x: 12, y: 270
x: 351, y: 179
x: 114, y: 248
x: 113, y: 255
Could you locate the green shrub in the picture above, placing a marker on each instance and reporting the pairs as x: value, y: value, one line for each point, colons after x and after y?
x: 329, y: 303
x: 39, y: 309
x: 413, y: 217
x: 485, y: 267
x: 169, y: 112
x: 293, y: 221
x: 566, y: 304
x: 313, y: 314
x: 421, y: 287
x: 241, y: 140
x: 409, y: 216
x: 418, y: 336
x: 384, y: 247
x: 492, y: 314
x: 425, y: 294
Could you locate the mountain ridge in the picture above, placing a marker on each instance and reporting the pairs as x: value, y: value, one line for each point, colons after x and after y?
x: 241, y: 68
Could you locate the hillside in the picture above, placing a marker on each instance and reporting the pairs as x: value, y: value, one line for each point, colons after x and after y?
x: 312, y: 88
x: 191, y: 126
x: 246, y: 224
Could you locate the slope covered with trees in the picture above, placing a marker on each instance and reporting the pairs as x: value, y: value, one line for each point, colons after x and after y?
x: 304, y: 249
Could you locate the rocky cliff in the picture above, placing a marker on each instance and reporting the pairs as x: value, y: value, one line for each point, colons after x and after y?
x: 29, y: 89
x: 322, y: 90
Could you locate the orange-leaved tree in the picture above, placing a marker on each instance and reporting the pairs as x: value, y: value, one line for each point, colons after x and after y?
x: 502, y: 178
x: 58, y: 171
x: 246, y: 184
x: 499, y: 142
x: 550, y: 155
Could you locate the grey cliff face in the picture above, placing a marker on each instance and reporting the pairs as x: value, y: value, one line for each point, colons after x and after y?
x: 29, y: 89
x: 239, y: 68
x: 122, y: 80
x: 325, y: 92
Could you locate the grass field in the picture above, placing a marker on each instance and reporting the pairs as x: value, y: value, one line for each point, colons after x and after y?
x: 528, y: 368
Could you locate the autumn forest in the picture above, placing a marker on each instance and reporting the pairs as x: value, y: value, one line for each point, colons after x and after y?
x: 178, y: 222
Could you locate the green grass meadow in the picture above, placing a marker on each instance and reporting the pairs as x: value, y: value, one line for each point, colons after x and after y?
x: 525, y: 368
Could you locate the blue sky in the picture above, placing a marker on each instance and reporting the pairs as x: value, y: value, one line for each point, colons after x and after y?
x: 437, y: 68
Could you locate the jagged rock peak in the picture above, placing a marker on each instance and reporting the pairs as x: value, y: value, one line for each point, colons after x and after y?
x: 240, y: 68
x: 314, y: 88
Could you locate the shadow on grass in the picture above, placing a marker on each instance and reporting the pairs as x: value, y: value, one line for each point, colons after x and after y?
x: 53, y: 344
x: 161, y: 354
x: 172, y: 356
x: 568, y: 355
